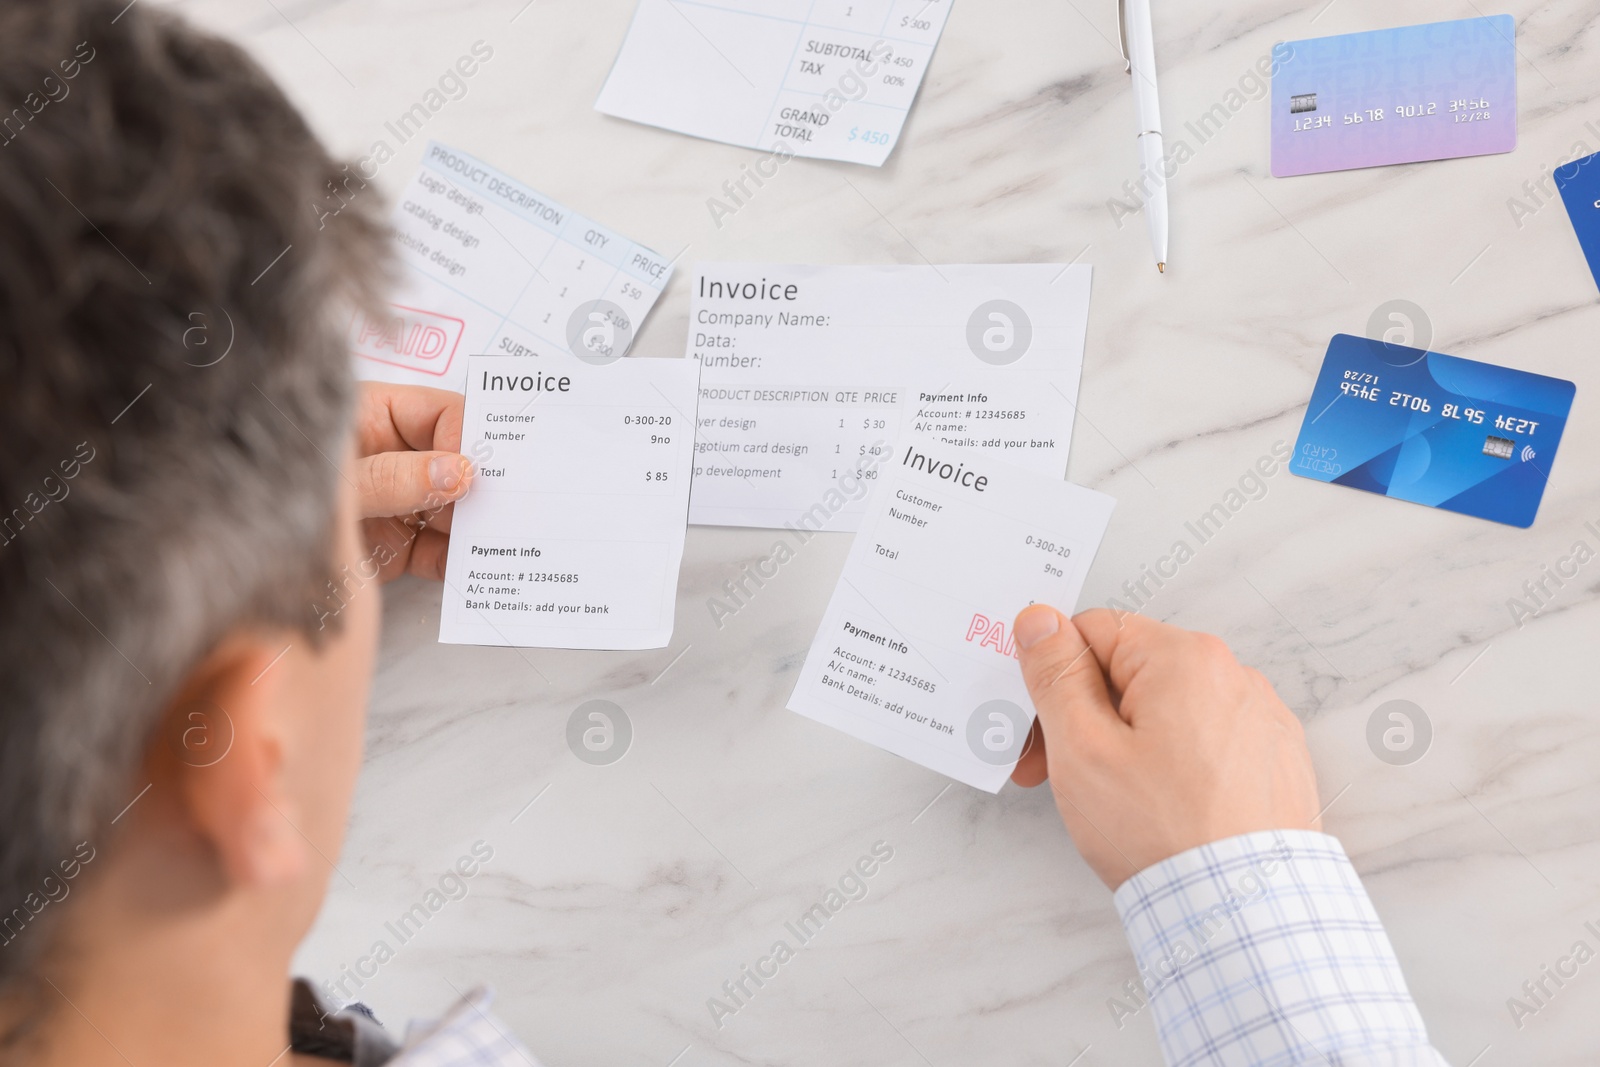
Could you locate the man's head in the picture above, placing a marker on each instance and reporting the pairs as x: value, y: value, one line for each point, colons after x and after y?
x: 175, y: 390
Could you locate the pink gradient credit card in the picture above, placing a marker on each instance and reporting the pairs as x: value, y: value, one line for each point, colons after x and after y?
x: 1437, y: 91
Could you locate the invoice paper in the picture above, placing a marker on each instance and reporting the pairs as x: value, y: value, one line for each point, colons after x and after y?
x: 493, y: 266
x: 827, y: 79
x: 807, y: 373
x: 915, y: 653
x: 573, y: 531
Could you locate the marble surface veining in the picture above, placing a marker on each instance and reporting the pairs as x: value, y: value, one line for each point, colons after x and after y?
x: 623, y: 897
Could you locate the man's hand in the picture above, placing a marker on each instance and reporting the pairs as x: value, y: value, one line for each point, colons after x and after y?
x: 409, y: 473
x: 1155, y: 740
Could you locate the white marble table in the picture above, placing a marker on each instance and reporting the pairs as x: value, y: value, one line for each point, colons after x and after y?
x: 621, y: 900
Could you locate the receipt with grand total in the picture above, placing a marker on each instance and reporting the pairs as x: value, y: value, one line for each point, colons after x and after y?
x: 827, y: 80
x: 915, y: 652
x: 573, y: 531
x: 808, y: 372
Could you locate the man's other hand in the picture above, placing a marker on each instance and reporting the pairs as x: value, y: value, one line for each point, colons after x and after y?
x: 1156, y: 740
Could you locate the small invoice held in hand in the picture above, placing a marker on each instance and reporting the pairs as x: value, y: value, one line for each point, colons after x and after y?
x: 572, y: 534
x: 915, y: 653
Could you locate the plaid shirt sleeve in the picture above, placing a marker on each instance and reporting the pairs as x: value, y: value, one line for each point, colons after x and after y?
x: 1263, y: 950
x: 468, y: 1035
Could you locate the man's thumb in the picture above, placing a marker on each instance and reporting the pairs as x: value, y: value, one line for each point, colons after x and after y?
x: 404, y: 483
x: 1063, y: 676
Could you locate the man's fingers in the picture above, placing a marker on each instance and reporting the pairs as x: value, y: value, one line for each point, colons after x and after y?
x: 399, y: 418
x: 1125, y: 641
x: 1063, y: 677
x: 438, y: 518
x: 1033, y: 767
x: 428, y: 555
x: 402, y: 547
x: 404, y: 483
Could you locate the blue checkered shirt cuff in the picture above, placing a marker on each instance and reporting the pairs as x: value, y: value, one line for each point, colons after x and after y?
x: 468, y: 1035
x: 1263, y: 950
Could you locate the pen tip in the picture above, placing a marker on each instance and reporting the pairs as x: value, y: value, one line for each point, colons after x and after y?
x: 1162, y: 267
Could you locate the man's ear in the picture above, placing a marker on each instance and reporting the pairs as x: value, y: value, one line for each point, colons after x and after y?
x: 222, y: 749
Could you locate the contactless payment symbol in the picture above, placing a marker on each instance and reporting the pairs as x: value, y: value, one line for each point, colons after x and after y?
x: 999, y: 332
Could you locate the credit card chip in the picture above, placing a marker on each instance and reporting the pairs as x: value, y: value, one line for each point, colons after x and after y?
x: 1498, y: 447
x: 1302, y: 102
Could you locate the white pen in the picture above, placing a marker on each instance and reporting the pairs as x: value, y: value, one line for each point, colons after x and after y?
x: 1138, y: 48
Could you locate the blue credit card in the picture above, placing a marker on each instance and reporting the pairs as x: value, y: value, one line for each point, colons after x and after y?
x: 1433, y: 429
x: 1579, y: 182
x: 1380, y: 97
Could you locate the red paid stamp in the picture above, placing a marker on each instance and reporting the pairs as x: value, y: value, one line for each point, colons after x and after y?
x: 409, y: 337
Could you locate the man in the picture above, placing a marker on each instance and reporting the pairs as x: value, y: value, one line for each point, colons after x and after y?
x: 193, y: 529
x: 187, y: 606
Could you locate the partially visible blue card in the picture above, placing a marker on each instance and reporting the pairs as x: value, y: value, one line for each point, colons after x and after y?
x: 1433, y: 429
x: 1579, y: 182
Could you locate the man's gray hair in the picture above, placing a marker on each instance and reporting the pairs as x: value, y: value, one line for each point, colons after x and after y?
x: 176, y: 389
